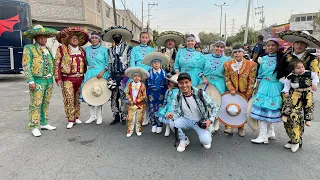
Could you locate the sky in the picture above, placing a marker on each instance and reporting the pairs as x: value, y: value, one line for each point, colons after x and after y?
x: 194, y: 16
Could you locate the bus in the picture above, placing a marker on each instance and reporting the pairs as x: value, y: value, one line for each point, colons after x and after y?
x: 15, y: 18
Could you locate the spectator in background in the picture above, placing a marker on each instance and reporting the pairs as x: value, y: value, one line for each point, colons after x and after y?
x: 258, y: 50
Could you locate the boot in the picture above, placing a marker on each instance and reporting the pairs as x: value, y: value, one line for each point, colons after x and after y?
x: 116, y: 119
x: 167, y: 133
x: 99, y: 114
x: 241, y: 132
x: 228, y: 130
x: 262, y: 138
x: 93, y: 115
x: 271, y: 133
x: 216, y: 125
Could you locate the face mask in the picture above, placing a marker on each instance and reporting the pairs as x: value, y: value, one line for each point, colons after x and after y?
x: 117, y: 38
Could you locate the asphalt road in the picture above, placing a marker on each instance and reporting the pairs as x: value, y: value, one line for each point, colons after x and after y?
x: 104, y: 152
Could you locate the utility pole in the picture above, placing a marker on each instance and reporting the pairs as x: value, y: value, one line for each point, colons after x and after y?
x: 247, y: 24
x: 225, y: 27
x: 262, y: 19
x: 114, y: 12
x: 224, y: 4
x: 150, y: 5
x: 233, y: 28
x: 142, y: 16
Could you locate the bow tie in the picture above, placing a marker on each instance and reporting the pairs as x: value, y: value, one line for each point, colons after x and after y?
x: 136, y: 86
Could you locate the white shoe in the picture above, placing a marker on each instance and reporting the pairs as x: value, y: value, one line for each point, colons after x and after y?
x: 91, y: 119
x: 70, y: 125
x: 78, y: 121
x: 129, y: 135
x: 288, y: 146
x: 207, y: 146
x: 167, y: 133
x: 139, y: 133
x: 48, y: 127
x: 154, y: 129
x: 99, y: 120
x: 216, y: 125
x: 183, y: 144
x: 294, y: 147
x: 36, y: 132
x: 159, y: 130
x: 261, y: 139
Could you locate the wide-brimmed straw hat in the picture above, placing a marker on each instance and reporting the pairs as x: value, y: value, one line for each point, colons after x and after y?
x: 39, y: 30
x: 65, y: 34
x: 130, y: 72
x: 96, y: 92
x: 147, y: 60
x: 166, y: 35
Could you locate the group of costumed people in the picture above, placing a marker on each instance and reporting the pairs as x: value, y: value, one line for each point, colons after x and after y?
x: 173, y: 89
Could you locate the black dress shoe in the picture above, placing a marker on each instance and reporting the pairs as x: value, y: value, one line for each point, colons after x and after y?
x: 114, y: 122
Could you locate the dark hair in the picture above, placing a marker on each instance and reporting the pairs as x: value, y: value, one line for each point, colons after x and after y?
x: 144, y: 32
x: 281, y: 66
x: 293, y: 64
x: 260, y: 38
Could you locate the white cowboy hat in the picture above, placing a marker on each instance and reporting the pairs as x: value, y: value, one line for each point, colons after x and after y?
x: 123, y: 31
x: 233, y: 110
x: 253, y: 123
x: 166, y: 35
x: 212, y: 91
x: 132, y: 70
x: 96, y: 92
x: 155, y: 55
x: 292, y: 36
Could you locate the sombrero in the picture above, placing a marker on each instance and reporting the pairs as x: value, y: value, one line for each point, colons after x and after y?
x: 123, y: 31
x: 65, y: 34
x: 233, y: 110
x: 176, y: 36
x: 212, y: 91
x: 38, y: 30
x: 132, y: 70
x: 173, y: 78
x: 292, y: 36
x: 95, y: 91
x: 253, y: 123
x: 155, y: 55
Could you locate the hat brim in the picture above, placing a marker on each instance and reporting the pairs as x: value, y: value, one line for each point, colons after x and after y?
x: 64, y: 35
x: 225, y: 118
x: 173, y: 79
x: 155, y: 55
x: 212, y: 91
x: 132, y: 70
x: 126, y: 35
x: 90, y: 98
x: 161, y: 40
x: 32, y: 33
x: 292, y: 36
x: 253, y: 123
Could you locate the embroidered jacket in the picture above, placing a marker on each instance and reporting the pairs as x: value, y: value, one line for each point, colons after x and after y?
x: 118, y: 63
x: 141, y: 98
x: 311, y: 61
x: 36, y: 63
x: 245, y: 80
x: 210, y: 103
x: 171, y: 56
x: 66, y: 63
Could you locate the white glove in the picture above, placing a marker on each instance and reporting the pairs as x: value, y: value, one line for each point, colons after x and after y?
x: 259, y: 60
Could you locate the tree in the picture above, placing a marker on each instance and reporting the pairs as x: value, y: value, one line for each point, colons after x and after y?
x: 155, y: 36
x: 207, y: 39
x: 238, y: 38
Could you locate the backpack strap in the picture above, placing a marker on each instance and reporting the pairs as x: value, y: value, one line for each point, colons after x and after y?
x: 200, y: 95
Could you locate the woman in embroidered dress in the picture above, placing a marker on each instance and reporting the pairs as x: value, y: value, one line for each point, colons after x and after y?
x: 97, y: 61
x: 267, y: 101
x: 189, y: 60
x: 138, y: 52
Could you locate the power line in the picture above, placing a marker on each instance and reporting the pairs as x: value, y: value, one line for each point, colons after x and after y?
x: 176, y: 5
x: 125, y: 8
x: 224, y: 4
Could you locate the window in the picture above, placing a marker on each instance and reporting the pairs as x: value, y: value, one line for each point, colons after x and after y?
x: 98, y: 6
x: 123, y: 21
x: 309, y: 18
x: 303, y: 18
x: 297, y: 19
x: 108, y: 12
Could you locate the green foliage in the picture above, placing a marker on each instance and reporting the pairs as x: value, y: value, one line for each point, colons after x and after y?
x: 207, y: 39
x: 238, y: 38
